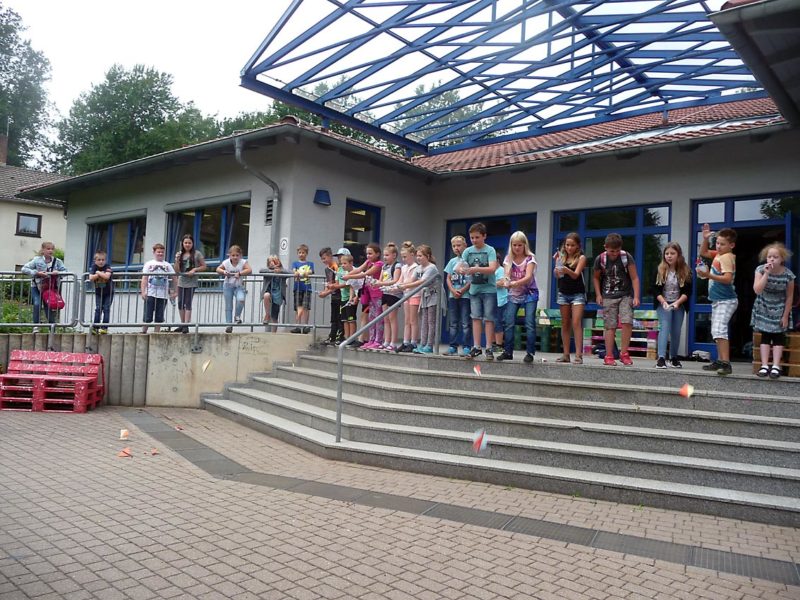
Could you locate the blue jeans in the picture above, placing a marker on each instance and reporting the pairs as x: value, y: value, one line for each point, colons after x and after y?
x: 102, y: 305
x: 510, y: 319
x: 36, y: 300
x: 669, y: 328
x: 229, y: 293
x: 458, y: 321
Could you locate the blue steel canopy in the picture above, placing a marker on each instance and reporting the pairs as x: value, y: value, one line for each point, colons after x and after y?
x: 435, y: 75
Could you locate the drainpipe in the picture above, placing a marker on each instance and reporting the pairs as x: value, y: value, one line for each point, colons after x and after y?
x: 276, y: 194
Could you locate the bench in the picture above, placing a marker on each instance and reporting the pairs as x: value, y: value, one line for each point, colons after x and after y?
x: 42, y: 381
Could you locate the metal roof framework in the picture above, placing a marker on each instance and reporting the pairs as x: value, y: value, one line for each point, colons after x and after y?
x: 437, y: 75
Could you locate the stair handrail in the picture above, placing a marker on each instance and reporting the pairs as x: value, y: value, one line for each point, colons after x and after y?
x: 437, y: 280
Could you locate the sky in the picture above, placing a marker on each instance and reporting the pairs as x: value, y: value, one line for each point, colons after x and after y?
x: 203, y: 44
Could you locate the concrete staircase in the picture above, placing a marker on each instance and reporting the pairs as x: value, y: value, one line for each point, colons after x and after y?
x: 620, y: 434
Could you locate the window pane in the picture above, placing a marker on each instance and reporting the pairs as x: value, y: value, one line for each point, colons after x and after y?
x: 119, y: 243
x: 240, y: 226
x: 752, y: 210
x: 360, y: 228
x: 711, y: 212
x: 777, y: 208
x: 592, y: 247
x: 653, y: 247
x: 211, y: 233
x: 457, y: 228
x: 102, y: 239
x: 567, y: 223
x: 702, y: 328
x: 28, y: 224
x: 501, y: 227
x: 656, y: 216
x: 527, y: 225
x: 611, y: 219
x: 138, y: 227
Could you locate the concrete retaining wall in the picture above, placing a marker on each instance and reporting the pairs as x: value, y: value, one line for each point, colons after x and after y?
x: 161, y: 369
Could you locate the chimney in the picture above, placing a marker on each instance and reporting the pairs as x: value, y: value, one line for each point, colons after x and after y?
x: 3, y: 149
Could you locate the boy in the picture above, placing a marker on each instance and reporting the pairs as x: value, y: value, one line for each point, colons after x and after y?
x: 721, y: 293
x: 457, y: 299
x: 335, y: 335
x: 480, y: 264
x: 100, y: 275
x: 158, y: 284
x: 349, y: 299
x: 616, y: 287
x: 302, y: 287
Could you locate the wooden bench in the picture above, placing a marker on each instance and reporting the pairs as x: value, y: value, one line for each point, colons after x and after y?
x: 52, y: 381
x: 791, y: 354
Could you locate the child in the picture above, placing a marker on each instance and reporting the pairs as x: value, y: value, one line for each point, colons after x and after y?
x: 520, y: 281
x: 571, y: 296
x: 721, y: 293
x: 100, y: 275
x: 371, y: 294
x: 273, y: 292
x: 481, y: 264
x: 234, y: 268
x: 425, y: 273
x: 349, y: 296
x: 389, y: 279
x: 188, y: 263
x: 616, y: 287
x: 500, y: 309
x: 772, y: 309
x: 42, y: 268
x: 671, y: 293
x: 408, y: 255
x: 158, y: 284
x: 457, y: 300
x: 331, y: 266
x: 302, y: 269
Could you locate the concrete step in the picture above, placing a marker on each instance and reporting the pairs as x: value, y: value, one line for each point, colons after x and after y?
x: 764, y: 507
x: 642, y: 394
x: 420, y: 405
x: 593, y: 371
x: 691, y: 470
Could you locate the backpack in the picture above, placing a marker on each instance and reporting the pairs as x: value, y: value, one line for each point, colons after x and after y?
x: 622, y: 254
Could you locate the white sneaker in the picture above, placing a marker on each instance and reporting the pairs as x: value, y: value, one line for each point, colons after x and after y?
x: 35, y: 330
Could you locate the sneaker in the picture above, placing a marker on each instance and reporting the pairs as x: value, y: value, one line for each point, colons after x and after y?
x: 356, y: 344
x: 406, y: 348
x: 296, y: 330
x: 35, y: 330
x: 625, y: 359
x: 675, y: 363
x: 662, y: 363
x: 712, y: 366
x: 528, y: 359
x: 370, y: 346
x: 474, y: 352
x: 426, y: 350
x: 417, y: 350
x: 505, y: 356
x: 465, y: 351
x: 305, y: 329
x: 451, y: 351
x: 724, y: 368
x: 229, y: 330
x: 238, y: 320
x: 609, y: 360
x: 489, y: 354
x: 497, y: 349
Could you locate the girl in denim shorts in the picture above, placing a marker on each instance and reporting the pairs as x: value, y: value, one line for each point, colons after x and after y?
x: 571, y: 298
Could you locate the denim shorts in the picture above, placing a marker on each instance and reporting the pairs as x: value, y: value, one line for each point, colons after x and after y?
x: 483, y: 306
x: 562, y: 299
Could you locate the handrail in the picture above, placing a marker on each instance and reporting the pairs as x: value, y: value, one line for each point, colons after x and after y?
x: 341, y: 348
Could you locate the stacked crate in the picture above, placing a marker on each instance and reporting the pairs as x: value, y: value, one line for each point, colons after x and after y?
x: 791, y: 354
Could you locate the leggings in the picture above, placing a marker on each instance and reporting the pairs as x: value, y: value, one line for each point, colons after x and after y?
x: 376, y: 331
x: 427, y: 326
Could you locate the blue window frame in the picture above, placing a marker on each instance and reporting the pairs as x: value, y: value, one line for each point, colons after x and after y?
x: 645, y: 230
x: 214, y: 228
x: 122, y: 241
x: 362, y: 226
x: 758, y: 221
x: 498, y: 231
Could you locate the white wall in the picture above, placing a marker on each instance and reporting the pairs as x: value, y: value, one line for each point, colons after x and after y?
x: 20, y: 249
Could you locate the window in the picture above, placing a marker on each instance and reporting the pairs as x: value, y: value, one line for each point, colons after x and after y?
x: 362, y: 226
x: 498, y: 231
x: 29, y: 225
x: 214, y: 228
x: 123, y: 242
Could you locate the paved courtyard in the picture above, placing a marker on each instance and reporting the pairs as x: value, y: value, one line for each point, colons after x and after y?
x: 77, y: 521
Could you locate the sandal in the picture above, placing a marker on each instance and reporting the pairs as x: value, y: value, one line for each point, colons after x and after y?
x: 563, y: 359
x: 775, y: 372
x: 763, y: 371
x: 578, y: 360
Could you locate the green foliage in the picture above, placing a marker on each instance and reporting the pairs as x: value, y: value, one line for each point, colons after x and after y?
x: 15, y: 312
x: 23, y: 98
x: 58, y: 253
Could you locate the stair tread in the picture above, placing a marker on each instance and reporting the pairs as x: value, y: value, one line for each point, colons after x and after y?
x: 615, y: 406
x: 613, y: 453
x: 648, y: 485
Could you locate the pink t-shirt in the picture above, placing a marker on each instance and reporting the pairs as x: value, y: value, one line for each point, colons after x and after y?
x: 372, y: 292
x: 407, y: 275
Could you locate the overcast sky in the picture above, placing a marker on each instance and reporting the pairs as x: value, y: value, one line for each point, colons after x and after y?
x: 203, y: 44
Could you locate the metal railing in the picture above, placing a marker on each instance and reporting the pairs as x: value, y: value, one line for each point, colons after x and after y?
x: 341, y: 348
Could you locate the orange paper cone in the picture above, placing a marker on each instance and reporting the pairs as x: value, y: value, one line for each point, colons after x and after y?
x: 153, y: 451
x: 477, y: 370
x: 687, y: 390
x: 125, y: 453
x: 123, y: 434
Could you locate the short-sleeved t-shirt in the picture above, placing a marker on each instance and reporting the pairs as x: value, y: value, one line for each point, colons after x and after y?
x: 529, y: 293
x: 615, y: 282
x: 481, y: 257
x: 231, y: 281
x: 458, y: 280
x: 304, y: 283
x: 430, y: 294
x: 388, y: 273
x: 345, y: 291
x: 330, y: 277
x: 101, y: 285
x: 185, y: 280
x: 502, y: 292
x: 722, y: 263
x: 158, y: 272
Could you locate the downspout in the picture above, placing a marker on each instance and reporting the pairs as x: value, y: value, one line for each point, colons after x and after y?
x: 276, y: 195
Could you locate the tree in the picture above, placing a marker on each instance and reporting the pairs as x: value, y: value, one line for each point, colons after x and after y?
x: 131, y: 114
x: 23, y: 99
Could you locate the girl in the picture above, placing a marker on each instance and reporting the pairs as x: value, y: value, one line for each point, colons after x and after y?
x: 671, y: 293
x: 519, y: 279
x: 234, y: 268
x: 411, y: 308
x: 188, y: 262
x: 273, y: 292
x: 371, y: 295
x: 571, y: 297
x: 426, y: 272
x: 772, y: 309
x: 390, y: 277
x: 42, y: 268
